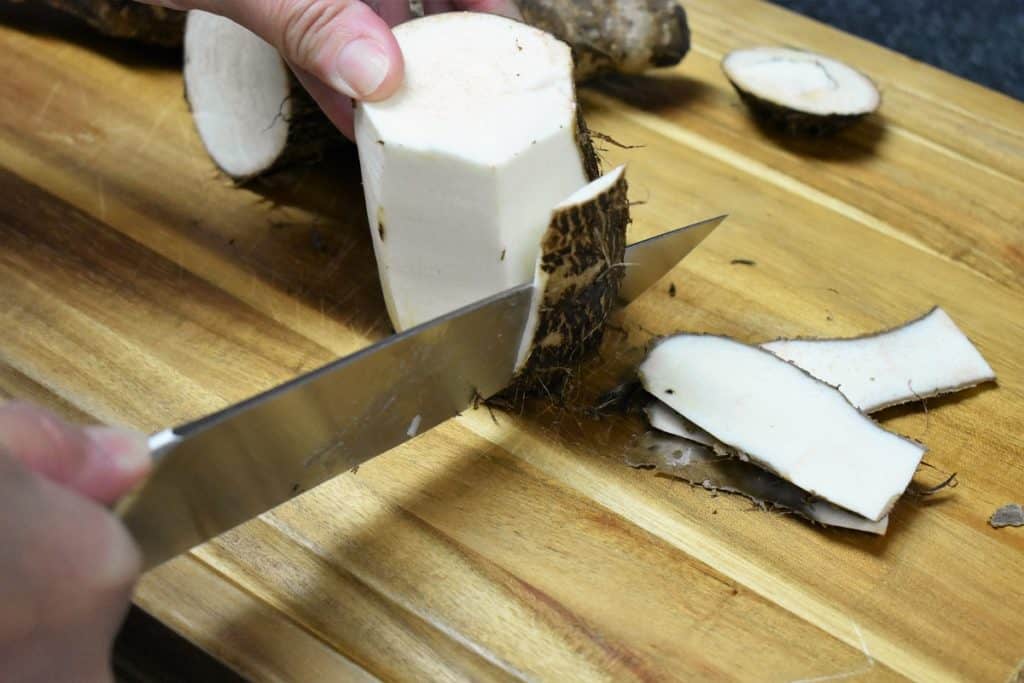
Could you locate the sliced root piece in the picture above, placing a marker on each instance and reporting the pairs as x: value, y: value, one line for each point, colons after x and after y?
x: 1008, y: 515
x: 251, y: 113
x: 784, y: 419
x: 127, y: 19
x: 665, y: 419
x: 926, y: 357
x: 577, y: 280
x: 699, y: 465
x: 628, y: 36
x: 800, y: 92
x: 461, y: 169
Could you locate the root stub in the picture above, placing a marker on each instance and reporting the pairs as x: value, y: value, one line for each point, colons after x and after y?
x: 798, y: 92
x: 627, y: 36
x: 579, y: 277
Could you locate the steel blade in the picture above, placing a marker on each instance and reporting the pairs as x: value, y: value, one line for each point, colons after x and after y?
x: 217, y: 472
x: 651, y: 259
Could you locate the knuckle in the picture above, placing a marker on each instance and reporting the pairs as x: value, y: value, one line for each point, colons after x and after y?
x: 301, y: 27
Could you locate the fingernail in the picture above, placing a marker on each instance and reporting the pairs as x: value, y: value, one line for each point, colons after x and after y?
x: 360, y: 69
x: 127, y: 450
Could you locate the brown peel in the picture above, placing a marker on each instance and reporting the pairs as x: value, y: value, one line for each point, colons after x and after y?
x: 699, y: 465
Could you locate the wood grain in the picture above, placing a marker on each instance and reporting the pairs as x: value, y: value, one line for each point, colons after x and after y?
x: 139, y: 287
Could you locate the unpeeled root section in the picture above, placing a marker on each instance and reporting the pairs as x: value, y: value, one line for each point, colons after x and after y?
x: 800, y: 92
x: 127, y: 19
x: 627, y: 36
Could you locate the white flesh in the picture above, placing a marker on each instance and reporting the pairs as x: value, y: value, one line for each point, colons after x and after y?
x: 665, y: 419
x: 926, y: 357
x: 464, y: 164
x: 238, y: 88
x: 826, y: 513
x: 782, y: 418
x: 803, y: 81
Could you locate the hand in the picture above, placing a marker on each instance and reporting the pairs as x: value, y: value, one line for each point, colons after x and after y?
x: 338, y: 49
x: 67, y: 566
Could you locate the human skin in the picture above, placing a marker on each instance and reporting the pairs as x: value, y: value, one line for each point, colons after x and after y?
x: 68, y: 565
x: 340, y: 50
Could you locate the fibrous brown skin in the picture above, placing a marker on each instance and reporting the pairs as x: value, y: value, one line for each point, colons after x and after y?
x: 591, y: 162
x: 580, y: 271
x: 627, y: 36
x: 698, y: 465
x: 311, y: 134
x: 792, y: 122
x: 128, y: 19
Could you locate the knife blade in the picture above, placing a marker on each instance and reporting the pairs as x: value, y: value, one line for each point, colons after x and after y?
x: 221, y: 470
x: 647, y: 261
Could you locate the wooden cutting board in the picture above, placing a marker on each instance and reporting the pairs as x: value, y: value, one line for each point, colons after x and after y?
x: 138, y: 286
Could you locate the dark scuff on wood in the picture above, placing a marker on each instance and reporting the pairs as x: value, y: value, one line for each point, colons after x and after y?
x: 1008, y: 515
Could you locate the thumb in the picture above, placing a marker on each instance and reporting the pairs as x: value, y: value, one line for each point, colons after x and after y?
x: 102, y: 463
x: 343, y: 43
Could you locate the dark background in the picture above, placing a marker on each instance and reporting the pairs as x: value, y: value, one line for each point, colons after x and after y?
x: 981, y: 40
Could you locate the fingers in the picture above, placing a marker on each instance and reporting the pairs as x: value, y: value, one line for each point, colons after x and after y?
x: 102, y: 463
x: 343, y: 43
x: 338, y: 49
x: 66, y: 576
x: 506, y: 8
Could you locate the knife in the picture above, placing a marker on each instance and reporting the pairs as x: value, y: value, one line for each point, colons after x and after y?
x: 221, y: 470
